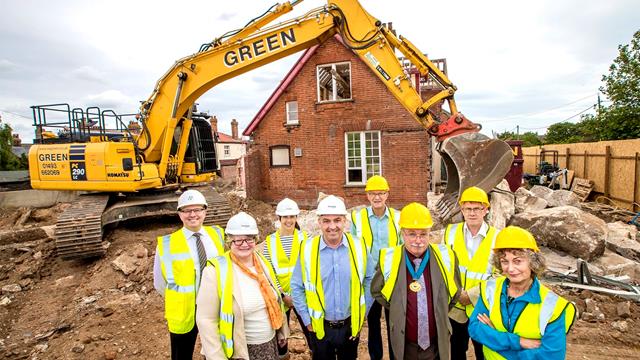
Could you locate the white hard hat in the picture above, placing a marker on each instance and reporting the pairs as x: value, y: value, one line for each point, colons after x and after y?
x: 242, y: 224
x: 331, y: 205
x: 287, y: 207
x: 191, y: 197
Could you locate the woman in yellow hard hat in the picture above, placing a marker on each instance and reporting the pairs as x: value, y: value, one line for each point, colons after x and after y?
x: 518, y: 317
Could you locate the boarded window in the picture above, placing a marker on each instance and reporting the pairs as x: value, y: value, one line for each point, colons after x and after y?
x: 280, y: 156
x: 363, y: 156
x: 334, y: 82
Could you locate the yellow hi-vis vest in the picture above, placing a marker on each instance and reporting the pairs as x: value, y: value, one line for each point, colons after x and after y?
x: 479, y: 268
x: 283, y: 265
x: 534, y: 318
x: 360, y: 220
x: 312, y: 281
x: 224, y: 272
x: 390, y: 266
x: 179, y: 272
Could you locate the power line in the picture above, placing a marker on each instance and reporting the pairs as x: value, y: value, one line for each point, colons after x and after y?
x: 541, y: 112
x: 12, y: 113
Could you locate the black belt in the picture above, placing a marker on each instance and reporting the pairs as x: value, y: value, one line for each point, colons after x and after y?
x: 338, y: 323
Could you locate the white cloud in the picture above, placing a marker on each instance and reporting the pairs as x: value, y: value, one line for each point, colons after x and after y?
x: 88, y: 73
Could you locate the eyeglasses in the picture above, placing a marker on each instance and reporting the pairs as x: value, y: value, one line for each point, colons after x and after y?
x: 239, y: 242
x: 472, y: 210
x: 377, y: 194
x: 412, y: 235
x: 192, y: 211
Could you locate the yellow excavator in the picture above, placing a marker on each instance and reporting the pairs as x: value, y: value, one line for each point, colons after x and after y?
x: 135, y: 170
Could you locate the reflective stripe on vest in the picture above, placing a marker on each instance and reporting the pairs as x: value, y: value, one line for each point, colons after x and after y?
x: 363, y: 228
x: 549, y: 310
x: 390, y: 260
x: 476, y: 269
x: 283, y: 265
x: 312, y: 281
x: 224, y: 272
x: 180, y: 274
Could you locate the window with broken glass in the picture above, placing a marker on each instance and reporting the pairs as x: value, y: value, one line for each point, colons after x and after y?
x: 334, y: 82
x: 363, y: 156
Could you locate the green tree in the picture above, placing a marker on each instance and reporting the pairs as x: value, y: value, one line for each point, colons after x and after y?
x: 621, y: 120
x: 562, y: 133
x: 528, y: 138
x: 8, y: 161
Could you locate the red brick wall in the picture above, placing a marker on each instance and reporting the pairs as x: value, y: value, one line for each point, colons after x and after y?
x: 253, y: 173
x: 404, y: 143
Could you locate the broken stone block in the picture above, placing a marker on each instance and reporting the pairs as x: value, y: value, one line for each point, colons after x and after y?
x: 623, y: 309
x: 527, y: 201
x: 620, y: 325
x: 125, y: 263
x: 563, y: 198
x: 591, y: 306
x: 613, y: 264
x: 502, y: 206
x: 541, y: 191
x: 140, y: 251
x: 11, y: 288
x: 566, y: 228
x: 620, y: 240
x: 5, y: 301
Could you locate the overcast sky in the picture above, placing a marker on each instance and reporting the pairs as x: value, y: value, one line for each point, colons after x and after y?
x: 530, y: 63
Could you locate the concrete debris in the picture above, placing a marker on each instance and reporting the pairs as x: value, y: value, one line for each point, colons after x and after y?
x: 541, y: 191
x: 563, y: 198
x: 623, y: 309
x: 125, y: 263
x: 65, y: 281
x: 78, y: 348
x: 611, y: 263
x: 620, y: 325
x: 566, y: 228
x: 621, y: 239
x: 527, y: 201
x: 89, y: 299
x: 126, y: 300
x: 502, y: 206
x: 11, y: 288
x: 5, y: 301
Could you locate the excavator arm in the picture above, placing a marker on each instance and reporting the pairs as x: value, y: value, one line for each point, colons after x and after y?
x: 471, y: 159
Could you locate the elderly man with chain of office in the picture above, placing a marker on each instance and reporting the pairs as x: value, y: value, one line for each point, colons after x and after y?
x: 473, y: 241
x: 330, y: 285
x: 377, y: 225
x: 419, y: 283
x: 177, y: 269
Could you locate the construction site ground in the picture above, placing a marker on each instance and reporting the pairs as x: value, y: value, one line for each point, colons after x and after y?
x: 91, y: 310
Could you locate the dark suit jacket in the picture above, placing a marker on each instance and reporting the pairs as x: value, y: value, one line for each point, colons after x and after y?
x: 398, y: 305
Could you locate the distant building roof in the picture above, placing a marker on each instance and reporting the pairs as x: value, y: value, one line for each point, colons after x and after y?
x: 224, y: 138
x: 20, y: 150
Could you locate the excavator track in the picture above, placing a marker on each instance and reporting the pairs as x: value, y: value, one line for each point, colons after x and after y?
x: 78, y: 232
x: 218, y: 211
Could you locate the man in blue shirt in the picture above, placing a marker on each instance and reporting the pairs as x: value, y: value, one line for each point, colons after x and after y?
x: 377, y: 225
x: 330, y: 284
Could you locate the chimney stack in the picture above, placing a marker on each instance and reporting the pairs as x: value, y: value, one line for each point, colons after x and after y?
x: 234, y: 129
x: 16, y: 140
x: 214, y: 124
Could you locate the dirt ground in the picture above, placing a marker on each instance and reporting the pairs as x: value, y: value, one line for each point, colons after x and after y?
x: 91, y: 310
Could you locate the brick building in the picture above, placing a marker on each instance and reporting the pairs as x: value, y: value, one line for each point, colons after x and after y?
x: 230, y: 149
x: 329, y: 126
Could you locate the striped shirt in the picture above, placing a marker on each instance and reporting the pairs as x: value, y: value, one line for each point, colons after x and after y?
x: 286, y: 242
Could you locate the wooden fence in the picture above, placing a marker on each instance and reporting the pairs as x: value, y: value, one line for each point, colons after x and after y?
x: 613, y: 166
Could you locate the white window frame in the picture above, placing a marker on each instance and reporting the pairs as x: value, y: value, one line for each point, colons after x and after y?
x: 363, y: 156
x: 333, y: 81
x: 290, y: 118
x: 227, y: 150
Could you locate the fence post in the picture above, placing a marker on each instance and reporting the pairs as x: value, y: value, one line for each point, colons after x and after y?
x: 635, y: 181
x: 584, y: 165
x: 607, y: 161
x: 566, y: 164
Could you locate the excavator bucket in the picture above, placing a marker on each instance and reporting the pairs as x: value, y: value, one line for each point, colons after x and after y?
x: 471, y: 159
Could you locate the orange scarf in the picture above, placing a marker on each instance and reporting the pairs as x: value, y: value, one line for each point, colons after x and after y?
x: 270, y: 298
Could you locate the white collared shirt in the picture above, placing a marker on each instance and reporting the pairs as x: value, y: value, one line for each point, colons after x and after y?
x: 473, y: 242
x: 210, y: 249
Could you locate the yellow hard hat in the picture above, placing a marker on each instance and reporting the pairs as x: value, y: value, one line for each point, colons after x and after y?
x: 513, y: 237
x: 377, y: 183
x: 415, y: 216
x: 474, y: 194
